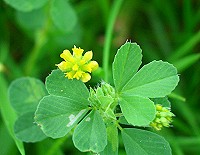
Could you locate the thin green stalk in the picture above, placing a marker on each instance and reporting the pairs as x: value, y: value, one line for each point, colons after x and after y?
x: 186, y: 47
x: 177, y: 97
x: 40, y: 39
x: 108, y: 36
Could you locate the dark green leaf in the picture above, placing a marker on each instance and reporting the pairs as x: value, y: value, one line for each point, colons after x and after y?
x: 63, y: 15
x: 141, y: 142
x: 25, y: 94
x: 90, y: 134
x: 57, y: 115
x: 156, y: 79
x: 37, y: 19
x: 27, y: 130
x: 26, y: 5
x: 57, y: 84
x: 126, y: 63
x: 137, y: 110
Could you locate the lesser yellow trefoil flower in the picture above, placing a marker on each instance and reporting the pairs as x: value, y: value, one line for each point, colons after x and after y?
x: 77, y: 66
x: 163, y: 117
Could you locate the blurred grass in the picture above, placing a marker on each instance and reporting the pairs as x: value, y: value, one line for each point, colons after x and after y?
x: 167, y: 30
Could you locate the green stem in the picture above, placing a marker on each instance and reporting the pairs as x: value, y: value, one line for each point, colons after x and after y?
x: 40, y: 39
x: 186, y: 47
x: 108, y: 36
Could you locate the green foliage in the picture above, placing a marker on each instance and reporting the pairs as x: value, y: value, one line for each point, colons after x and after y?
x: 24, y: 5
x: 126, y: 63
x: 24, y: 95
x: 156, y: 79
x: 26, y: 129
x: 60, y: 8
x: 144, y: 142
x: 112, y: 140
x: 9, y: 115
x: 34, y: 33
x: 57, y: 115
x: 138, y: 110
x: 69, y: 105
x: 58, y: 85
x: 90, y: 134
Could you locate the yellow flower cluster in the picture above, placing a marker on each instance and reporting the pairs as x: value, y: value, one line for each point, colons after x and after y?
x: 77, y: 65
x: 163, y: 117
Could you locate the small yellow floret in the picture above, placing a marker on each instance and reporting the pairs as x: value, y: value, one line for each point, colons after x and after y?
x: 163, y: 117
x: 77, y: 66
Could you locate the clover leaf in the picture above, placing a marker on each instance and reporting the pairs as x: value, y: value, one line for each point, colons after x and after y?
x: 154, y: 80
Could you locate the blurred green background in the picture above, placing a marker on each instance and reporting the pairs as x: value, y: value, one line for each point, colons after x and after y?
x: 31, y: 40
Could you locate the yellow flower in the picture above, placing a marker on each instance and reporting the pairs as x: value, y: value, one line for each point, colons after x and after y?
x: 163, y: 117
x: 77, y: 65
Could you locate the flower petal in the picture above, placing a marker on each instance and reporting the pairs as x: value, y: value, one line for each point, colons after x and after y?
x: 87, y: 56
x: 77, y: 52
x: 67, y: 56
x: 86, y: 68
x: 62, y: 66
x: 78, y: 75
x: 94, y: 65
x: 70, y: 74
x: 75, y: 67
x: 85, y: 77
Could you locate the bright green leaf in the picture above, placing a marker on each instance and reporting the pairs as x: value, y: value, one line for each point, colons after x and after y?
x: 156, y: 79
x: 112, y: 136
x: 57, y: 115
x: 26, y: 5
x: 90, y: 134
x: 126, y: 63
x: 27, y: 130
x: 63, y: 15
x: 141, y: 142
x: 137, y: 110
x: 25, y: 94
x: 57, y: 84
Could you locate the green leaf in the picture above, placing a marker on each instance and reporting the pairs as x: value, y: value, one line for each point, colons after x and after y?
x: 154, y: 80
x: 141, y: 142
x: 27, y: 130
x: 126, y: 63
x: 57, y: 115
x: 137, y: 110
x: 90, y: 134
x: 112, y: 136
x: 8, y: 114
x: 25, y: 94
x: 163, y: 101
x: 37, y: 19
x: 26, y: 5
x: 57, y: 84
x: 63, y: 15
